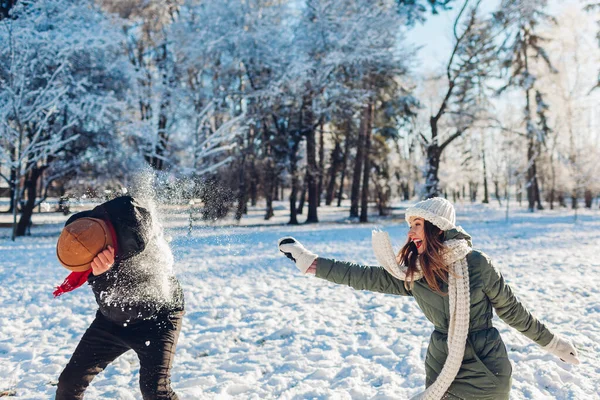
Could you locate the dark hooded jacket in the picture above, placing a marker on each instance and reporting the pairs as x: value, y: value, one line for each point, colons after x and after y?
x: 132, y: 223
x: 485, y: 373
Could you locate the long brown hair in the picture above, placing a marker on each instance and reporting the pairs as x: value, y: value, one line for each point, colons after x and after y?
x: 432, y: 260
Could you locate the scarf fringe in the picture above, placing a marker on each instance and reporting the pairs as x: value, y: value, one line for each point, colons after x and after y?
x: 72, y: 282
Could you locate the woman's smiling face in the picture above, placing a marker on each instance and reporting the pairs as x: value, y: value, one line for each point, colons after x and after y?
x: 416, y: 233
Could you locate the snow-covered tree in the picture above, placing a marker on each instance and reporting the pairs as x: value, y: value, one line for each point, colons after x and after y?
x: 523, y: 46
x: 230, y: 55
x: 417, y: 10
x: 5, y: 7
x: 341, y: 47
x: 594, y: 7
x: 60, y: 78
x: 470, y: 64
x: 572, y: 141
x: 147, y: 44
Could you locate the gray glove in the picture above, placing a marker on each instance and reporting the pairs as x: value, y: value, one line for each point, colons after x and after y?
x: 294, y: 250
x: 563, y: 349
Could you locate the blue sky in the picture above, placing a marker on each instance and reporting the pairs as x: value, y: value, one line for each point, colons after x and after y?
x: 435, y: 35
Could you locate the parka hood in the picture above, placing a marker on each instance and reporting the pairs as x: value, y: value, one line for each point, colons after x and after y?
x: 456, y: 234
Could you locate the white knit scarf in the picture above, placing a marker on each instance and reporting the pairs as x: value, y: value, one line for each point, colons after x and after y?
x: 459, y: 296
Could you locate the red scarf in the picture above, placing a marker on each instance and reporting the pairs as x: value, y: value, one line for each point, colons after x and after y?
x: 76, y: 279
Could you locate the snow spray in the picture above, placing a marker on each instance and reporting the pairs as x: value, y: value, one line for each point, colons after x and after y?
x: 147, y: 278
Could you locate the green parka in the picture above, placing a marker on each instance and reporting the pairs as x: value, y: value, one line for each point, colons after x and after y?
x: 485, y: 373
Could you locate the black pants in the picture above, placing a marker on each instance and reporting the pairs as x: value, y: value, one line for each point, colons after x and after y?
x: 153, y: 340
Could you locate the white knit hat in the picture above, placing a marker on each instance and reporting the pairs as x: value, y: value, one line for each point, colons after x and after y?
x: 436, y: 210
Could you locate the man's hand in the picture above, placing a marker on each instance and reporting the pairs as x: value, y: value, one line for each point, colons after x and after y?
x: 103, y: 261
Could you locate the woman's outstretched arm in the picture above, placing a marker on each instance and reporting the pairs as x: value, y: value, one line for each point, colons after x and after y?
x: 507, y: 305
x: 359, y: 277
x: 510, y: 309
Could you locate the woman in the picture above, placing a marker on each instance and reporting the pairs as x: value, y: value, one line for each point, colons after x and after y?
x: 456, y: 288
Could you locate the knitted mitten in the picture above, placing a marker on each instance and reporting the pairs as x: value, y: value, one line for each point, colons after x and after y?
x: 294, y: 250
x: 563, y: 349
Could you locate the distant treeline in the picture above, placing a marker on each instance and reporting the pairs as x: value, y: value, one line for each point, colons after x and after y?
x: 317, y: 100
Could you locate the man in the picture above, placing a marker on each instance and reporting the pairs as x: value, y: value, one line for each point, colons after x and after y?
x: 120, y: 251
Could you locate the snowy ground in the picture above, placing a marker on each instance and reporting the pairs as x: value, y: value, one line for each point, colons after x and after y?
x: 256, y: 329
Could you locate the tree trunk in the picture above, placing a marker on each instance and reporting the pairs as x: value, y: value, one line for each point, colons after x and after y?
x: 473, y: 186
x: 242, y: 196
x: 303, y: 195
x: 312, y: 168
x: 273, y: 194
x: 312, y: 174
x: 537, y: 191
x: 162, y: 138
x: 383, y: 194
x: 588, y: 198
x: 497, y: 192
x: 531, y: 175
x: 269, y: 185
x: 294, y: 183
x: 269, y: 209
x: 561, y: 200
x: 344, y: 163
x: 16, y: 184
x: 552, y: 195
x: 364, y: 202
x: 382, y: 203
x: 276, y: 191
x: 405, y: 188
x: 334, y: 167
x: 358, y: 167
x: 254, y: 179
x: 15, y: 190
x: 24, y: 225
x: 434, y: 152
x: 533, y: 189
x: 432, y: 181
x: 486, y: 198
x: 531, y: 148
x: 321, y: 162
x: 156, y: 160
x: 13, y: 177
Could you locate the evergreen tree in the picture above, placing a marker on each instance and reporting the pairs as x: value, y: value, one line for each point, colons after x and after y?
x: 520, y: 20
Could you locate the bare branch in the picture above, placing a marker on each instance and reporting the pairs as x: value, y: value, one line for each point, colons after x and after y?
x: 452, y: 137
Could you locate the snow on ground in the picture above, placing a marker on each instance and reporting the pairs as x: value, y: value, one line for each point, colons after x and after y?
x: 256, y: 329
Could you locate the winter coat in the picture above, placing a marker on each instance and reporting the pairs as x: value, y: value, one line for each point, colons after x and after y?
x: 132, y: 223
x: 486, y: 371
